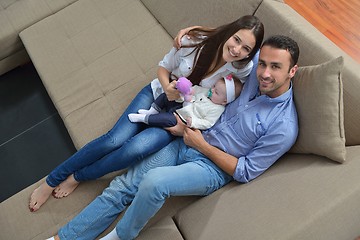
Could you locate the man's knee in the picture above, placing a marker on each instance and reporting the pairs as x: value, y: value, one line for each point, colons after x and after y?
x: 154, y: 184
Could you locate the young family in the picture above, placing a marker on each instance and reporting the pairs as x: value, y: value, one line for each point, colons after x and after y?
x: 201, y: 110
x: 255, y: 130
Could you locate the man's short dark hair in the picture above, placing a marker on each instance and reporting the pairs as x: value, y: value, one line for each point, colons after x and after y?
x: 286, y: 43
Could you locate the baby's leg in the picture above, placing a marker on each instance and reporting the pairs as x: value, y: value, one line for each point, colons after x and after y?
x: 150, y: 111
x: 39, y: 196
x: 141, y: 115
x: 137, y: 117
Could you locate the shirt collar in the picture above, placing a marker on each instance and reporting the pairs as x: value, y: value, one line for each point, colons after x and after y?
x: 283, y: 97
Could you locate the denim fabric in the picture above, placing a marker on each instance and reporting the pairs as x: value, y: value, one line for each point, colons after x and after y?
x: 122, y: 146
x: 176, y: 170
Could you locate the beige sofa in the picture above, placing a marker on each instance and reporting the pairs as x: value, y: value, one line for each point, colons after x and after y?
x: 15, y: 16
x: 93, y: 56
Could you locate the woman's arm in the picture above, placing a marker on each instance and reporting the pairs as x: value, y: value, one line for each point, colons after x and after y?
x: 225, y: 161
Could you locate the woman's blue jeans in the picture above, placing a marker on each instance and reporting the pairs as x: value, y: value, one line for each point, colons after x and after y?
x: 176, y: 170
x: 125, y: 144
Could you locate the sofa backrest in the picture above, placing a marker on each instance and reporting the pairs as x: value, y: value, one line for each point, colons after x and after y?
x: 213, y: 13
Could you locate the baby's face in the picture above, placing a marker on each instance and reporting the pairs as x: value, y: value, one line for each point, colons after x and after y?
x: 219, y: 93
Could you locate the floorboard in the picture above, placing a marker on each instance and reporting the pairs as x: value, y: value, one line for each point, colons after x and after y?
x: 339, y: 20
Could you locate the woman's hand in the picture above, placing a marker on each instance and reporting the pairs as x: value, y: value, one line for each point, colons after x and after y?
x: 180, y: 34
x: 177, y: 39
x: 171, y: 92
x: 169, y: 88
x: 178, y: 129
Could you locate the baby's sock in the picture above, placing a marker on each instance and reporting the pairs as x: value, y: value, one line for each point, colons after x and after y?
x: 137, y: 117
x: 111, y: 236
x: 52, y: 238
x: 149, y: 112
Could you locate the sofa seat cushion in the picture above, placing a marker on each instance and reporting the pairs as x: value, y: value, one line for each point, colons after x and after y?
x: 165, y: 229
x: 299, y: 197
x: 52, y: 215
x: 20, y: 223
x: 93, y: 57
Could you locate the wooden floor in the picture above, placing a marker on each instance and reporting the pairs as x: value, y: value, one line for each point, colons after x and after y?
x: 339, y: 20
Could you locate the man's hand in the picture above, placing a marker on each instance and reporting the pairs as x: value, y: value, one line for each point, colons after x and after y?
x: 178, y: 129
x: 193, y: 138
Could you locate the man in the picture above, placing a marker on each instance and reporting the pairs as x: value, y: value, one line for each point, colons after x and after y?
x: 254, y: 131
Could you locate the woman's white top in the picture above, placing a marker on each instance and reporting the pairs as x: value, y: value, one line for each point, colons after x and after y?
x: 180, y: 62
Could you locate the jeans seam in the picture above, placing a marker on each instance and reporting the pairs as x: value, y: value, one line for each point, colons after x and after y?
x: 77, y: 234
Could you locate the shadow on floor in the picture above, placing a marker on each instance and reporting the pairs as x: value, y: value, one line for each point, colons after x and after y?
x: 33, y: 138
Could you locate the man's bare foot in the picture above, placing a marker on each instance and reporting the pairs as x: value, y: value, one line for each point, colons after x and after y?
x: 39, y: 196
x: 66, y: 187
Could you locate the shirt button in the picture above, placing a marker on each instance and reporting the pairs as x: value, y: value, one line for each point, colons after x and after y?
x: 246, y: 105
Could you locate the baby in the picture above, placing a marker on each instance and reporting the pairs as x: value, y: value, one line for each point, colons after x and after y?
x: 201, y: 111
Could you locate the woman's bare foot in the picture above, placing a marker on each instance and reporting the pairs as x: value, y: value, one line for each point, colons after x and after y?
x: 66, y: 187
x: 39, y: 196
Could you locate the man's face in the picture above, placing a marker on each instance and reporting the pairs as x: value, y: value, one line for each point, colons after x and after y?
x: 274, y: 72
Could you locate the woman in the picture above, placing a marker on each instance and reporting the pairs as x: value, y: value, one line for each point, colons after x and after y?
x: 209, y: 53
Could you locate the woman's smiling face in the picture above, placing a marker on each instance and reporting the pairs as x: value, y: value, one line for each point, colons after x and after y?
x: 239, y: 46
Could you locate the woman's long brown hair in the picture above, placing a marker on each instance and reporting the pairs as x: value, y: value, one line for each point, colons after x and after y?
x: 210, y: 42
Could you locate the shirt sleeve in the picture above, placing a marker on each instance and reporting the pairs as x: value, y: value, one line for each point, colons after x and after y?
x: 173, y: 59
x: 267, y: 150
x: 170, y: 60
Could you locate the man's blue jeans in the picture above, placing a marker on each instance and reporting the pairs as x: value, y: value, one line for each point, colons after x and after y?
x: 176, y: 170
x: 122, y: 146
